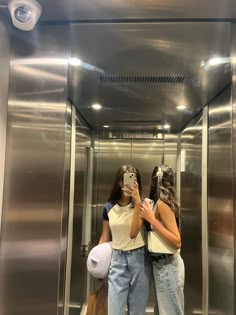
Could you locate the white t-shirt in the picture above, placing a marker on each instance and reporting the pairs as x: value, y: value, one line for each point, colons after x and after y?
x: 120, y: 218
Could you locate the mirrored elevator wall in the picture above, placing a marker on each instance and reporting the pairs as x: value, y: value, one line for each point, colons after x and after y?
x: 220, y: 206
x: 109, y: 155
x: 4, y: 66
x: 190, y: 196
x: 207, y: 222
x: 35, y: 173
x: 82, y: 208
x: 233, y: 55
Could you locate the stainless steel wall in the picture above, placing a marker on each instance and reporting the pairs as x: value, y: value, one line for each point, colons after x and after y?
x: 220, y: 206
x: 34, y: 174
x: 170, y: 150
x: 191, y: 193
x: 4, y: 66
x: 233, y: 55
x: 78, y: 284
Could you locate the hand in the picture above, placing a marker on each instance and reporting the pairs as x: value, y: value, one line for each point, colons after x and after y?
x: 146, y: 212
x: 133, y: 192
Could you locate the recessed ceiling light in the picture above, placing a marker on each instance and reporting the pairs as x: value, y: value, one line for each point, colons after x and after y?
x: 181, y: 107
x: 96, y: 106
x: 166, y: 126
x: 215, y: 61
x: 106, y: 126
x: 75, y: 62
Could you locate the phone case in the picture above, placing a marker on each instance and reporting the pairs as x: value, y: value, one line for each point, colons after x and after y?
x: 150, y: 201
x: 129, y: 179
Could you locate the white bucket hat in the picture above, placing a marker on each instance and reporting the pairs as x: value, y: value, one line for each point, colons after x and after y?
x: 99, y: 260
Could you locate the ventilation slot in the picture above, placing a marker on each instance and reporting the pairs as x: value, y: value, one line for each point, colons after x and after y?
x: 137, y: 122
x: 141, y: 79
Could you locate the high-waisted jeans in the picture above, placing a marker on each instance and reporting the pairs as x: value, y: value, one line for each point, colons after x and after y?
x: 169, y: 274
x: 129, y: 281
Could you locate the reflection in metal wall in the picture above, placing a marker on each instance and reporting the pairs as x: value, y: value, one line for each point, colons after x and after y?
x: 4, y: 66
x: 220, y: 206
x: 191, y: 166
x: 109, y: 156
x: 234, y: 138
x: 64, y: 223
x: 78, y: 267
x: 170, y: 150
x: 34, y: 175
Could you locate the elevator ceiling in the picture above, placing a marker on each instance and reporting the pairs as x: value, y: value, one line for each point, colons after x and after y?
x: 140, y: 73
x: 134, y: 9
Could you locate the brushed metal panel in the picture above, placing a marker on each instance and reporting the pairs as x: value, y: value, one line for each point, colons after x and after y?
x: 147, y: 49
x: 170, y: 150
x: 4, y: 66
x: 34, y: 175
x: 141, y: 9
x: 234, y: 138
x: 220, y: 206
x: 190, y: 195
x: 83, y: 139
x: 64, y: 224
x: 204, y: 223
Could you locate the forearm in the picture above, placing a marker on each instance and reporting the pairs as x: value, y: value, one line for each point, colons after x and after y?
x: 103, y: 239
x: 136, y: 222
x: 105, y: 236
x: 172, y: 239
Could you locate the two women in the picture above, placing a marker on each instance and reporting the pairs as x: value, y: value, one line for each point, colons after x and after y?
x: 129, y: 275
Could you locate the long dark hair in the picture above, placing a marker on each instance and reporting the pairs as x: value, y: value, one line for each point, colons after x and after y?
x: 162, y: 187
x: 116, y: 192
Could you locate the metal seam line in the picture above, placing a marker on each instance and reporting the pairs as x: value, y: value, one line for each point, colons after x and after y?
x: 205, y: 264
x: 71, y: 212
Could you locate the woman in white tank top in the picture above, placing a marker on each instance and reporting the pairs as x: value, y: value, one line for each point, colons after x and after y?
x: 168, y: 269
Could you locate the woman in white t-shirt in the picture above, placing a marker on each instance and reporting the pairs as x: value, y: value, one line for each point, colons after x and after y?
x: 130, y: 270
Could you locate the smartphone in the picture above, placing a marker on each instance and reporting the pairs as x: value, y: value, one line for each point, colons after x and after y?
x: 150, y: 202
x: 129, y: 179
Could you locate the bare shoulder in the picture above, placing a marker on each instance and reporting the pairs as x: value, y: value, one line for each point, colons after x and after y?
x: 162, y: 206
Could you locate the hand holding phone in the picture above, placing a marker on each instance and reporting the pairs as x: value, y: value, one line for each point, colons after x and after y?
x: 150, y: 202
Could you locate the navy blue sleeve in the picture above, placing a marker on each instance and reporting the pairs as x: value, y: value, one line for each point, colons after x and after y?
x: 106, y: 209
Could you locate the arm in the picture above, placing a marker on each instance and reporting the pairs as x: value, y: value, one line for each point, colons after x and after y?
x: 169, y: 231
x: 137, y: 221
x: 105, y: 237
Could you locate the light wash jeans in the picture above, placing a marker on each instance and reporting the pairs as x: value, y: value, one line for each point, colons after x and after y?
x: 129, y: 281
x: 169, y: 274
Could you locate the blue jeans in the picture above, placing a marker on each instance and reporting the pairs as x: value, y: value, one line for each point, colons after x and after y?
x: 169, y: 276
x: 129, y: 282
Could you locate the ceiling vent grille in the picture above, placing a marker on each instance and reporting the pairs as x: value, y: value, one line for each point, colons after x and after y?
x: 140, y: 79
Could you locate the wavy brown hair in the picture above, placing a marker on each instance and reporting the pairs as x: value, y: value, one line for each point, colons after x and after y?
x: 162, y: 188
x: 116, y: 192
